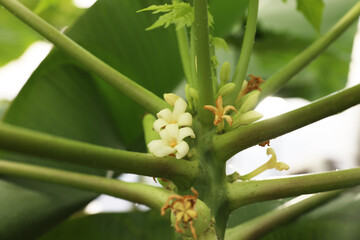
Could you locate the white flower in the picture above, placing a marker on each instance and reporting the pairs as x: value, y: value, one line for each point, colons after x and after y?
x: 177, y: 116
x: 171, y: 141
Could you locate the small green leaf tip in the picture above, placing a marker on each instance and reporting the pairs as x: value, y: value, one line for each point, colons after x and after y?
x: 179, y: 13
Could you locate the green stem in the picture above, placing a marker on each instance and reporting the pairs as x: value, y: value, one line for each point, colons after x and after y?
x: 243, y: 193
x: 153, y: 197
x: 184, y: 48
x: 203, y: 66
x: 246, y: 49
x: 241, y: 138
x: 276, y: 81
x: 57, y: 148
x: 137, y: 93
x: 258, y: 227
x: 149, y: 132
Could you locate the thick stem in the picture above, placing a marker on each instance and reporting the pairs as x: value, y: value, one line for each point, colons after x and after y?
x: 184, y: 48
x: 246, y: 49
x: 263, y: 224
x: 202, y: 61
x: 241, y: 138
x: 56, y: 148
x: 276, y: 81
x: 137, y: 93
x: 153, y: 197
x: 242, y: 193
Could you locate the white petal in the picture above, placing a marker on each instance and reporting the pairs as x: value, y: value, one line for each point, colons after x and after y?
x: 159, y: 124
x: 185, y: 132
x: 170, y: 133
x: 165, y: 114
x: 160, y: 148
x: 179, y: 108
x: 182, y: 149
x: 185, y: 119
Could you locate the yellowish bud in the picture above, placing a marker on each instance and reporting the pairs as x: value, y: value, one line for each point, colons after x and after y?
x: 171, y: 98
x: 248, y: 102
x: 246, y: 118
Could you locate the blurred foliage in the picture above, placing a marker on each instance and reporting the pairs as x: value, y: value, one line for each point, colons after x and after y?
x: 16, y: 36
x: 114, y: 226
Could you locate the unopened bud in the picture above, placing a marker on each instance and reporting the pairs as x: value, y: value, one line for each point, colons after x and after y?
x: 248, y: 102
x: 171, y: 98
x: 226, y: 89
x: 246, y: 118
x: 225, y: 73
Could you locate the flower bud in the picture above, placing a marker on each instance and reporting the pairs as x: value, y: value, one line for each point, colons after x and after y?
x: 248, y: 102
x: 225, y: 73
x: 226, y: 90
x: 171, y: 98
x: 246, y: 118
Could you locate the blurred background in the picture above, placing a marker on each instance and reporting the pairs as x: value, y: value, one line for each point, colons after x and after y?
x: 332, y: 143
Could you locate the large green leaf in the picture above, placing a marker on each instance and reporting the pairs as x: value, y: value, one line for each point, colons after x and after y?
x: 16, y: 37
x: 63, y: 99
x: 131, y: 226
x: 337, y: 219
x: 288, y: 38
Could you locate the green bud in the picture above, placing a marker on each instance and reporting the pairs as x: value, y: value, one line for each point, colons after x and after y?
x: 194, y: 94
x: 225, y: 73
x: 226, y: 89
x: 246, y: 118
x: 248, y: 102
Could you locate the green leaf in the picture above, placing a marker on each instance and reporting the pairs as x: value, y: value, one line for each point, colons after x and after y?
x: 16, y: 37
x: 288, y: 38
x: 328, y: 73
x: 312, y: 10
x: 227, y: 15
x: 336, y: 219
x: 63, y: 99
x: 179, y: 13
x: 114, y: 226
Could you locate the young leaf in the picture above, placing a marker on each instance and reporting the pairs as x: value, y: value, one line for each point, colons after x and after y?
x: 313, y: 11
x: 179, y: 13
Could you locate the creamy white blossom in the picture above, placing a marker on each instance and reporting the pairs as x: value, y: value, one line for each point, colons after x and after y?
x: 177, y: 116
x: 171, y: 141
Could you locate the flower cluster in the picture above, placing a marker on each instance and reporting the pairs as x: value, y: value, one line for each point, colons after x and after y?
x: 173, y: 127
x: 183, y: 209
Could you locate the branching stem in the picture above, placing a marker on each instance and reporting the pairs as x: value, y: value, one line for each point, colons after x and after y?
x: 137, y: 93
x: 276, y: 81
x: 243, y: 193
x: 153, y: 197
x: 247, y: 46
x: 232, y: 142
x: 261, y: 225
x: 31, y: 142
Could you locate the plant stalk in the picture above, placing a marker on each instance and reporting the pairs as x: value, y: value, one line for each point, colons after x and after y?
x: 246, y: 49
x: 276, y: 81
x: 243, y: 193
x: 184, y: 49
x: 137, y: 93
x: 151, y: 196
x: 22, y: 140
x: 202, y: 61
x: 258, y: 227
x: 232, y: 142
